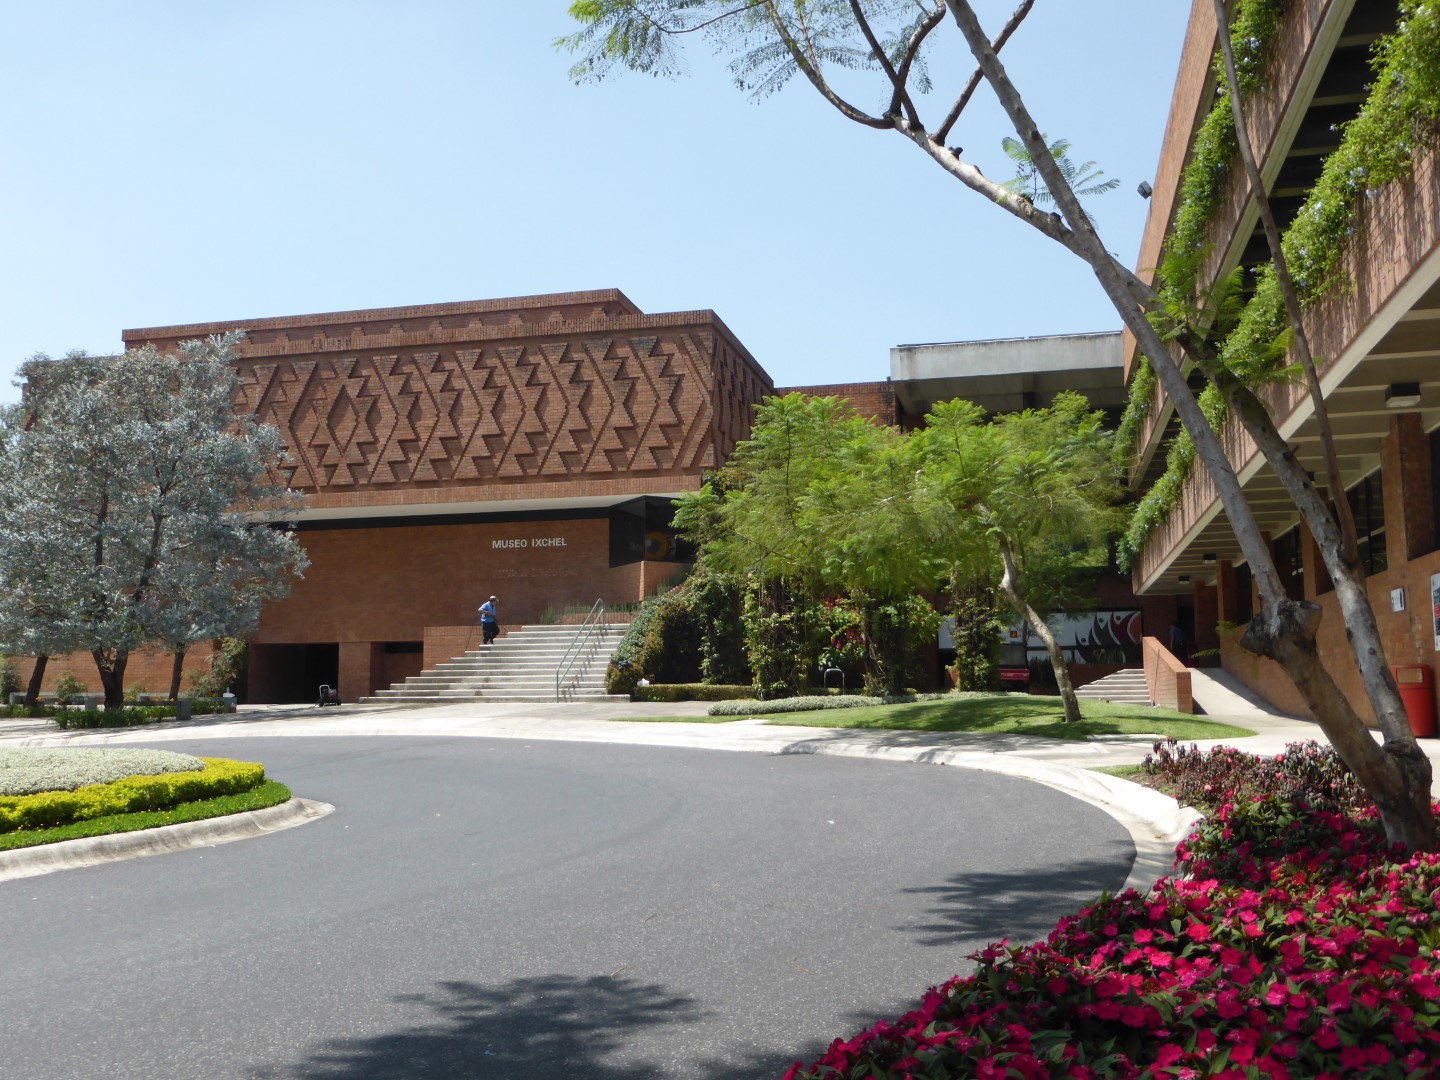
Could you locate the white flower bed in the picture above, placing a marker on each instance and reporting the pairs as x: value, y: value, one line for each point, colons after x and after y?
x: 24, y: 772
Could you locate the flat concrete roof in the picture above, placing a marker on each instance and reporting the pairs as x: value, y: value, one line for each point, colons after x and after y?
x: 1008, y: 374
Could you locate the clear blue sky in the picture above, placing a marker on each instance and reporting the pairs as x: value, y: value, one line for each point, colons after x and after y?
x: 181, y: 162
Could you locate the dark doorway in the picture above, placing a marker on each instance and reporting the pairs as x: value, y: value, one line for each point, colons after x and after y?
x: 287, y: 674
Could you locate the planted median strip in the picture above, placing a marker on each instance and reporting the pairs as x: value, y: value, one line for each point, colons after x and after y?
x: 64, y: 794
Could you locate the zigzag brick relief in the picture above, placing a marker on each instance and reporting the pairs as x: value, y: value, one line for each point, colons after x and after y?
x: 585, y: 389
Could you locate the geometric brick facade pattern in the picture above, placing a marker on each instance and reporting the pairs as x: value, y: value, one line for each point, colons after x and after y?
x: 552, y: 389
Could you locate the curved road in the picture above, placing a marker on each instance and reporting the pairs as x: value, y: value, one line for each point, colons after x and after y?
x: 496, y: 908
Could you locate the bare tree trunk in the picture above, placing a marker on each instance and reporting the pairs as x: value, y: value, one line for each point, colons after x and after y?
x: 112, y: 675
x: 37, y: 677
x: 1043, y: 632
x: 1398, y: 777
x: 177, y: 667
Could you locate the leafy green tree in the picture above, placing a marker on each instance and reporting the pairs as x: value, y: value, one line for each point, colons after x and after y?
x: 1084, y: 179
x: 977, y: 635
x: 821, y: 506
x: 1021, y: 503
x: 137, y: 508
x: 772, y: 41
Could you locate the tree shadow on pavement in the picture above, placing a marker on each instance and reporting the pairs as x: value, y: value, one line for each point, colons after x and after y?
x: 533, y: 1029
x: 1026, y: 901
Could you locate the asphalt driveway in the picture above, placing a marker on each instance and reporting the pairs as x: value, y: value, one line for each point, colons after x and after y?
x: 495, y: 908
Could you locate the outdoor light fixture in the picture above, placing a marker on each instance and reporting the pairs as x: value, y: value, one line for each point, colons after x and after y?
x: 1208, y: 557
x: 1145, y: 190
x: 1184, y: 579
x: 1402, y: 395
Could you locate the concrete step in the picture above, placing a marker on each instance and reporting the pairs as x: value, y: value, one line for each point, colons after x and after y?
x: 1125, y: 687
x: 521, y: 665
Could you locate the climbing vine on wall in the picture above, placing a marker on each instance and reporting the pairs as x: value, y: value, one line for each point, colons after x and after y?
x: 1401, y: 113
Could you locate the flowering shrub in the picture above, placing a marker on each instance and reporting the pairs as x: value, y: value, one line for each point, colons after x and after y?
x: 1298, y: 946
x: 26, y: 770
x: 1205, y: 779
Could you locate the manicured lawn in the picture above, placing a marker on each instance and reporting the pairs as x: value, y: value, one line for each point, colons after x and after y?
x: 1125, y: 772
x: 1007, y: 714
x: 1018, y: 714
x: 270, y: 793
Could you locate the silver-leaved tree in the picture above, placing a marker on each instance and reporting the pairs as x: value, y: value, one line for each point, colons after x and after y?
x: 137, y: 508
x: 773, y: 41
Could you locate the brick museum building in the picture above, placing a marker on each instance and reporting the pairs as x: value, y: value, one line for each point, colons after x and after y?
x: 529, y: 448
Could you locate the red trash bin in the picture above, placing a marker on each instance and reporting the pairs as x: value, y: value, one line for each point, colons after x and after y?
x: 1417, y: 691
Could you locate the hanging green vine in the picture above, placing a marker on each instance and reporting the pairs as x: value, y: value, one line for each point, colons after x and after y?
x: 1253, y: 26
x: 1400, y: 114
x: 1139, y: 401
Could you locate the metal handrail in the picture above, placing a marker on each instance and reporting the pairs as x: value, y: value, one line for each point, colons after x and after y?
x: 587, y: 629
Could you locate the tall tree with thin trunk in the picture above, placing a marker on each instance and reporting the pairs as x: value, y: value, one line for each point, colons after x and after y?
x: 139, y: 509
x: 1021, y: 503
x: 775, y: 40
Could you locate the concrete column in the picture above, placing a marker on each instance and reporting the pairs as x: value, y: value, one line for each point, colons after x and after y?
x: 361, y: 664
x: 1405, y: 483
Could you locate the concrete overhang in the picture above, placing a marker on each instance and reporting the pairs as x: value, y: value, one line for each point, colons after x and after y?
x: 1009, y: 374
x: 509, y: 508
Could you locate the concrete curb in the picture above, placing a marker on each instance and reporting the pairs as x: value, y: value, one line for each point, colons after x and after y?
x: 93, y: 850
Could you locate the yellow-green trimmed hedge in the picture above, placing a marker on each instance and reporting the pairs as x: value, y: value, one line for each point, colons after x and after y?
x: 47, y: 809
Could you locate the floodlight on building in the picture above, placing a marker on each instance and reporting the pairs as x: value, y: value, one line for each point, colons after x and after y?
x: 1208, y: 557
x: 1145, y: 190
x: 1402, y: 395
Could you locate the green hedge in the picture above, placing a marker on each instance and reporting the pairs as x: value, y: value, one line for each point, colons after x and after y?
x: 70, y: 716
x: 689, y: 692
x: 47, y: 809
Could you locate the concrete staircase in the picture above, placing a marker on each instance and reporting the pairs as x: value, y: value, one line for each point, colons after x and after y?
x: 1126, y: 687
x: 520, y: 666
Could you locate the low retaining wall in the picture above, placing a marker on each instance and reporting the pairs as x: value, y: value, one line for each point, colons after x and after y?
x: 1167, y: 679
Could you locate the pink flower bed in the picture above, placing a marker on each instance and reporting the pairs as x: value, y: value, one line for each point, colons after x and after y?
x: 1295, y: 946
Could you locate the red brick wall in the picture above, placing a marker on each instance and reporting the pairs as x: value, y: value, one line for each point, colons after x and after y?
x: 1407, y: 636
x: 149, y: 671
x: 539, y: 397
x: 873, y: 399
x: 389, y: 584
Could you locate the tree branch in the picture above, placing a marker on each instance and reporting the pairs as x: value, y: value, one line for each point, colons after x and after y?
x: 899, y: 95
x: 811, y: 72
x: 912, y: 49
x: 943, y: 131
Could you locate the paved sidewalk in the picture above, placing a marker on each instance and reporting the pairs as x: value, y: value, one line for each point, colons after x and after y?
x: 1155, y: 822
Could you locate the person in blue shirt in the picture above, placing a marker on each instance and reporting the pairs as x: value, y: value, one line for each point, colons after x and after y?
x: 489, y: 621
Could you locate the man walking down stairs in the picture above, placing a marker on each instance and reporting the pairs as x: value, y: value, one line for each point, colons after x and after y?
x: 521, y: 666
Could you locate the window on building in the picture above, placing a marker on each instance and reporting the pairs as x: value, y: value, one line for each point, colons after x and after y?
x: 1367, y: 504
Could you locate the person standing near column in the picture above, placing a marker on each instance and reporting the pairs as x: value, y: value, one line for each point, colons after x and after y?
x: 489, y: 620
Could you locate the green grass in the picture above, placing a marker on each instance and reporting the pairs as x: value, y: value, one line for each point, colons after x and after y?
x: 270, y: 793
x: 1018, y: 714
x: 1122, y: 771
x: 1008, y: 714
